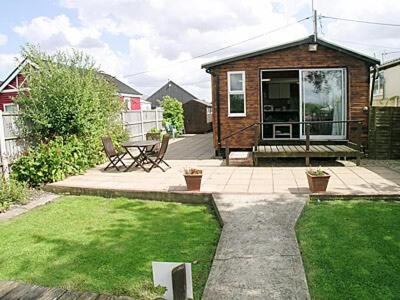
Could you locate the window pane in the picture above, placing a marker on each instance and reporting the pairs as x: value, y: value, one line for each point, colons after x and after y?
x: 323, y: 97
x: 237, y: 104
x: 236, y: 82
x: 11, y: 108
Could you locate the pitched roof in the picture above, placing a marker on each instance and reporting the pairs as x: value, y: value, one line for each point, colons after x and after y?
x: 13, y: 74
x: 173, y: 90
x: 307, y: 40
x: 121, y: 87
x: 389, y: 64
x: 201, y: 101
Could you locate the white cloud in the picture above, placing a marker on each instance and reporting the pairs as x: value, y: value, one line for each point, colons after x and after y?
x: 54, y: 33
x: 3, y: 39
x: 158, y: 34
x: 162, y: 33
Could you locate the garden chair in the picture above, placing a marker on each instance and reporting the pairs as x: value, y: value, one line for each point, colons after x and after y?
x: 156, y: 162
x: 112, y: 154
x: 171, y: 130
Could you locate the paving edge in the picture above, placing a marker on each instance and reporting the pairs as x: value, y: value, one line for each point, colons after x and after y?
x: 372, y: 197
x: 165, y: 196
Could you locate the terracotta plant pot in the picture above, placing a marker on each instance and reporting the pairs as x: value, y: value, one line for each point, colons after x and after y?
x: 318, y: 183
x: 193, y: 181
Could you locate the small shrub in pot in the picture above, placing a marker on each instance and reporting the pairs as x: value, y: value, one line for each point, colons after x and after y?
x: 193, y: 179
x: 317, y: 180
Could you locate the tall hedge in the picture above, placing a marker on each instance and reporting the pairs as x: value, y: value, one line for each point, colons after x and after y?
x: 67, y: 100
x: 173, y: 113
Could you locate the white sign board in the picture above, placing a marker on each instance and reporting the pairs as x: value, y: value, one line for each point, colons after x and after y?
x: 162, y: 275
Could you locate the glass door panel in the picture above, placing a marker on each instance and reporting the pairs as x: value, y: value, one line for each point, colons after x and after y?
x: 323, y: 98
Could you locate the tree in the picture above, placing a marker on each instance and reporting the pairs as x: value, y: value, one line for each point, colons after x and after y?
x: 67, y: 96
x: 68, y: 107
x: 173, y: 112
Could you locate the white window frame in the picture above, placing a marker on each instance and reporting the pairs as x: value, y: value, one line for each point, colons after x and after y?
x: 10, y: 104
x: 380, y: 85
x: 128, y: 107
x: 243, y: 92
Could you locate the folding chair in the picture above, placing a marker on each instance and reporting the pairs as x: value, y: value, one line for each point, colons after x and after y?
x: 160, y: 156
x: 112, y: 154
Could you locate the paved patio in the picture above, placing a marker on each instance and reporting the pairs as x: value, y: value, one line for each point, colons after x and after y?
x: 197, y: 151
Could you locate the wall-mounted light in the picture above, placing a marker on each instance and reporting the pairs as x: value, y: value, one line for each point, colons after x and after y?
x: 312, y: 47
x: 365, y: 109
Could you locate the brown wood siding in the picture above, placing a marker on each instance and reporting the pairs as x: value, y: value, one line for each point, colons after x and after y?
x: 296, y: 58
x: 195, y: 117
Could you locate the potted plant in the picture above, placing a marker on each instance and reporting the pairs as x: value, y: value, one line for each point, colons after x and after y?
x: 153, y: 134
x: 193, y: 178
x: 317, y: 180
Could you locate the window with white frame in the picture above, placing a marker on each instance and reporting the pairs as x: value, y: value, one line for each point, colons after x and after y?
x: 237, y: 94
x: 127, y: 101
x: 379, y: 83
x: 10, y: 108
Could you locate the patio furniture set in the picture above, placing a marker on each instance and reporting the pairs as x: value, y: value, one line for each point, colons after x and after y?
x: 150, y: 154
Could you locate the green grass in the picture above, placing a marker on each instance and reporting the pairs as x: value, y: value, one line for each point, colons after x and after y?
x: 107, y: 245
x: 351, y: 249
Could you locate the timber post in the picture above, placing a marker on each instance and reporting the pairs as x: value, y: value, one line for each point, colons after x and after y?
x: 308, y: 130
x: 227, y: 152
x: 358, y: 140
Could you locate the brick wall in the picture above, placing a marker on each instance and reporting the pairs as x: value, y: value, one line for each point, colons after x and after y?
x: 296, y: 57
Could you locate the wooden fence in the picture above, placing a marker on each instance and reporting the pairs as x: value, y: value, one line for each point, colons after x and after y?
x: 384, y: 133
x: 137, y: 124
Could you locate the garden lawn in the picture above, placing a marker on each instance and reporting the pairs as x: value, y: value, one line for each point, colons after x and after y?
x: 351, y: 249
x: 107, y: 245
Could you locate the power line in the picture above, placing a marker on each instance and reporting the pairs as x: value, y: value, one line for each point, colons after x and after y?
x: 361, y: 21
x: 366, y: 45
x: 220, y: 49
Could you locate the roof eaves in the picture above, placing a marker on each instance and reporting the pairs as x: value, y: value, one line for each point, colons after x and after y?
x: 14, y: 73
x: 390, y: 64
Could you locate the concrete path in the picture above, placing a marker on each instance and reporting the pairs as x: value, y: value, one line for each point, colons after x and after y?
x: 16, y: 210
x: 257, y: 256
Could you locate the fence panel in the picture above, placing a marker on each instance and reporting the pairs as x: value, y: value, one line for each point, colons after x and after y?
x: 138, y: 123
x: 384, y: 133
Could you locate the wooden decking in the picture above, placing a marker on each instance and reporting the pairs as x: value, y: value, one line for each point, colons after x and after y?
x: 314, y: 151
x: 11, y: 290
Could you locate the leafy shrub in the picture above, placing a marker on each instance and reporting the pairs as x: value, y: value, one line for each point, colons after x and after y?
x: 67, y: 96
x: 173, y: 113
x: 12, y: 191
x: 69, y: 107
x: 55, y: 160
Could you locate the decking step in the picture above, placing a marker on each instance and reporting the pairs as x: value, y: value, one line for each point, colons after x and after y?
x: 241, y: 158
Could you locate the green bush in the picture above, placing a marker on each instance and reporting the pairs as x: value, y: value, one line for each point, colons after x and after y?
x: 11, y: 192
x: 173, y: 113
x: 67, y: 96
x: 67, y: 110
x: 55, y: 160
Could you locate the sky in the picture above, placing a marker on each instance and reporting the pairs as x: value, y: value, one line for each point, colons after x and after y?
x: 159, y: 39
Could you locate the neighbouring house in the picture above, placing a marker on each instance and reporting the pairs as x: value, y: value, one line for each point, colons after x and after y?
x: 130, y: 96
x: 196, y: 114
x: 9, y: 88
x: 308, y: 84
x: 387, y: 84
x: 16, y: 82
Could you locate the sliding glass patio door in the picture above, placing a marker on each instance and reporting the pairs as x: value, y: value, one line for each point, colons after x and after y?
x: 323, y: 98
